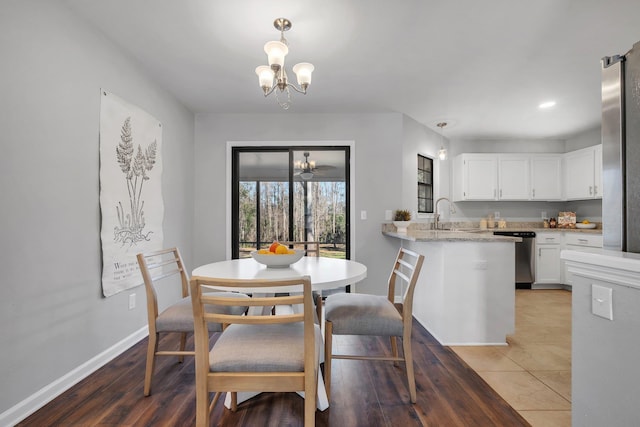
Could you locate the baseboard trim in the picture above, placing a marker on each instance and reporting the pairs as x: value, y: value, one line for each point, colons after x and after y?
x: 46, y: 394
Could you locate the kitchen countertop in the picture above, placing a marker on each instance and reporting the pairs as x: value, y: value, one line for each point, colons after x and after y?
x: 449, y: 236
x: 463, y: 228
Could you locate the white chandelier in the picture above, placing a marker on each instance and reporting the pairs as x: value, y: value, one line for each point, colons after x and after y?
x: 273, y: 76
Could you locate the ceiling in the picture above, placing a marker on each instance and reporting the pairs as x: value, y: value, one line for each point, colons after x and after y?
x: 482, y: 66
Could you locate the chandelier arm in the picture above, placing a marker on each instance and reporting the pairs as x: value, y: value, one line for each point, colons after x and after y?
x: 302, y: 91
x: 270, y: 91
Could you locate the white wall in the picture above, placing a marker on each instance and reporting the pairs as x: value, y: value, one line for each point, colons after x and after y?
x: 377, y: 158
x: 588, y: 138
x: 418, y: 139
x: 53, y: 317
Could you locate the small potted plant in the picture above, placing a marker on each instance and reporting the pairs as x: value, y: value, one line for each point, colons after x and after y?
x: 402, y: 219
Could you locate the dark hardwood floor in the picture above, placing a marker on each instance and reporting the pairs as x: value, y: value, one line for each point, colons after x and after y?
x: 364, y: 393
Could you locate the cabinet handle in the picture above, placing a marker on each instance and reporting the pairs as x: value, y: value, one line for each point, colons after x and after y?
x: 550, y: 238
x: 595, y: 190
x: 539, y: 252
x: 533, y: 193
x: 494, y: 193
x: 501, y: 193
x: 591, y: 190
x: 583, y: 241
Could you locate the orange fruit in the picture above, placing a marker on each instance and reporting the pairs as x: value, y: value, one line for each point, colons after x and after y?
x: 291, y: 252
x: 281, y: 250
x: 264, y: 251
x: 273, y: 246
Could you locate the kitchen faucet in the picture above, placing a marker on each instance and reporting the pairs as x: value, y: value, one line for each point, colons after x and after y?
x: 436, y: 215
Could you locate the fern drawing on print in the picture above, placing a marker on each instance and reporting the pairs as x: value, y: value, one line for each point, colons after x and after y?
x: 134, y: 167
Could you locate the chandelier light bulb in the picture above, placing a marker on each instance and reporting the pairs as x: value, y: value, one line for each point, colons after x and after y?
x: 276, y: 51
x: 303, y: 72
x: 265, y: 76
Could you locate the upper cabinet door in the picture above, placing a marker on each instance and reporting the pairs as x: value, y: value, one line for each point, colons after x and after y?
x: 597, y: 172
x: 476, y: 177
x: 513, y: 177
x: 546, y: 177
x: 579, y: 174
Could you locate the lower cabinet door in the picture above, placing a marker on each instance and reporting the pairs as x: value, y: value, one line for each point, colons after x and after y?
x: 548, y: 268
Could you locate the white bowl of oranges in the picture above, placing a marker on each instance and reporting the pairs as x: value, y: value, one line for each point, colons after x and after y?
x: 277, y: 256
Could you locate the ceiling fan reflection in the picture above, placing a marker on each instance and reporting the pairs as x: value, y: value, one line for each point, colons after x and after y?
x: 307, y: 169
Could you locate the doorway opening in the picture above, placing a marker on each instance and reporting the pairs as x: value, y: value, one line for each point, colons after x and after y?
x: 295, y: 193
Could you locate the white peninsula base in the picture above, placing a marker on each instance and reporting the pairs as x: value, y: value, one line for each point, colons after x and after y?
x: 466, y: 290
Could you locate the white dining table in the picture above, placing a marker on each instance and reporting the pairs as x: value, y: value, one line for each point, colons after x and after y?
x: 325, y: 273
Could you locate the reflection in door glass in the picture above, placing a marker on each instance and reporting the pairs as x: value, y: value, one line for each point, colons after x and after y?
x: 315, y: 211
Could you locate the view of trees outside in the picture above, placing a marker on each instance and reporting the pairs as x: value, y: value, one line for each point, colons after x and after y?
x: 324, y: 215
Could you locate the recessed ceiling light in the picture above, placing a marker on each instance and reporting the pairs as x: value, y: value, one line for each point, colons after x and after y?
x: 547, y: 104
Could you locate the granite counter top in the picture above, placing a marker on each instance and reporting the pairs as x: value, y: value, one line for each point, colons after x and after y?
x: 449, y: 236
x: 473, y: 227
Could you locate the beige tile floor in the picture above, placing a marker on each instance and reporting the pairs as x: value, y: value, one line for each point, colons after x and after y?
x: 532, y: 373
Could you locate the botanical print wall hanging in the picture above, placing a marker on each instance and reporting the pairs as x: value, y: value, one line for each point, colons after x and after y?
x: 130, y: 190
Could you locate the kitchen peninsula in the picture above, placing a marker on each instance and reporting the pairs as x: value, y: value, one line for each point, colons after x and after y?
x: 465, y: 293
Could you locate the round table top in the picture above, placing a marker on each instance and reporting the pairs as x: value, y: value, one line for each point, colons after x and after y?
x: 325, y: 273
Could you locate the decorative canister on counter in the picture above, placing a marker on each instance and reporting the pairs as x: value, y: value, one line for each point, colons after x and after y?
x: 545, y: 223
x: 552, y: 223
x: 483, y: 224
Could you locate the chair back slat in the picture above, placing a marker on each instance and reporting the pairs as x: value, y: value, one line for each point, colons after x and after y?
x: 200, y: 299
x: 165, y: 275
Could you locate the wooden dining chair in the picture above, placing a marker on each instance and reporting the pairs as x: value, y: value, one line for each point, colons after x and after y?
x: 363, y: 314
x: 255, y: 353
x: 160, y: 271
x: 312, y: 249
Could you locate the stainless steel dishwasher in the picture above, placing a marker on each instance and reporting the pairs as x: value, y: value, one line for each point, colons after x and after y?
x: 525, y: 257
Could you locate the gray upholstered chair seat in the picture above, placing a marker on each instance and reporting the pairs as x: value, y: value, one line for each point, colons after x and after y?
x: 362, y: 314
x: 179, y: 316
x: 237, y: 347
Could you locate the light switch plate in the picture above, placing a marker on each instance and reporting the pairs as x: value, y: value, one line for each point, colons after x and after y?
x: 602, y: 301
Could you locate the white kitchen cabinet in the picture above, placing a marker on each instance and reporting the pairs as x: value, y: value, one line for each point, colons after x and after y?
x: 475, y: 177
x: 546, y: 177
x: 548, y: 267
x: 583, y: 174
x: 597, y: 171
x: 582, y: 242
x: 513, y: 177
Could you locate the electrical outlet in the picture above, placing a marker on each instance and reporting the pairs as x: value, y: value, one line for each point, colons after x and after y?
x: 363, y: 214
x: 544, y: 215
x: 132, y: 301
x: 388, y: 215
x: 496, y: 215
x: 601, y: 301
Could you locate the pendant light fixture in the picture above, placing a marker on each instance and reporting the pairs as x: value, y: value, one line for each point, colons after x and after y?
x: 442, y: 153
x: 274, y: 76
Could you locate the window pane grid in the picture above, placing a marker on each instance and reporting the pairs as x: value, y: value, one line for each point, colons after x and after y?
x: 425, y: 184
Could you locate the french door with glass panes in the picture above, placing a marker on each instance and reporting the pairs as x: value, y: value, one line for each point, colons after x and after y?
x: 290, y: 194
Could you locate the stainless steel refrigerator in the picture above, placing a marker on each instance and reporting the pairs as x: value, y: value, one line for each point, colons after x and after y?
x: 621, y: 151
